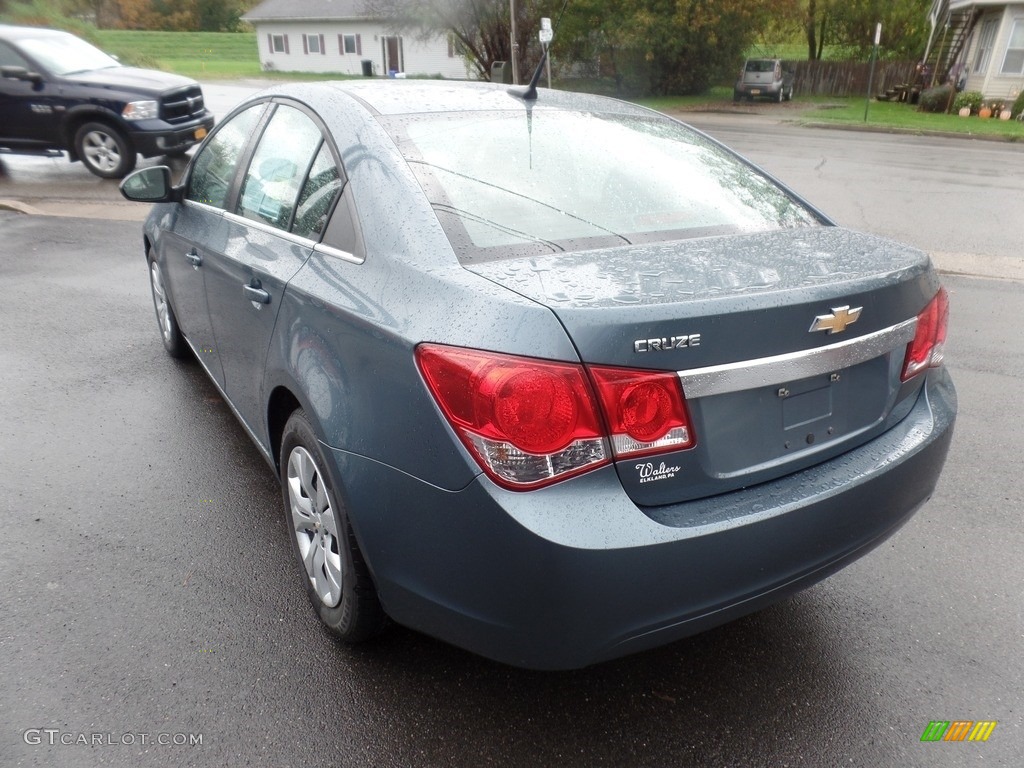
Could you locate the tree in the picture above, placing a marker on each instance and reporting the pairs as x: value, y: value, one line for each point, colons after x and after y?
x: 650, y: 46
x: 671, y: 46
x: 480, y: 29
x: 850, y: 26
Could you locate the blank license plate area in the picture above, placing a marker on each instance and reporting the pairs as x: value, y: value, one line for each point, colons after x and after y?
x: 741, y: 431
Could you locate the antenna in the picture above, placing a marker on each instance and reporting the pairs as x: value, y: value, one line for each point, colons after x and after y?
x: 529, y: 93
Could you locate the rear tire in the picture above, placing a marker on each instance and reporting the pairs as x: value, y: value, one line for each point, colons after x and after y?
x: 104, y: 150
x: 336, y: 576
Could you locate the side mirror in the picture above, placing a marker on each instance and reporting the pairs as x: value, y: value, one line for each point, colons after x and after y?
x: 20, y: 73
x: 150, y: 185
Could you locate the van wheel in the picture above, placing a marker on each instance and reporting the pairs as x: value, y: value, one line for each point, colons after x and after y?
x: 104, y: 150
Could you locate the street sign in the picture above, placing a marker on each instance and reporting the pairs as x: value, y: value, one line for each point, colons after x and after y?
x: 545, y: 30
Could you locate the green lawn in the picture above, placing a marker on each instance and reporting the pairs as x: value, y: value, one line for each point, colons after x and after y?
x: 907, y: 118
x: 194, y: 54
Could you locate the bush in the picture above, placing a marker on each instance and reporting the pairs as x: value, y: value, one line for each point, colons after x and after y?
x: 1018, y: 106
x: 972, y: 99
x: 936, y: 99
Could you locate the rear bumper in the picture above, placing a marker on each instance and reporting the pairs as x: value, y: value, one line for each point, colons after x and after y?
x: 763, y: 89
x: 153, y: 138
x: 576, y: 574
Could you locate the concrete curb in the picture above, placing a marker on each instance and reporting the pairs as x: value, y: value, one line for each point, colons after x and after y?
x: 19, y: 207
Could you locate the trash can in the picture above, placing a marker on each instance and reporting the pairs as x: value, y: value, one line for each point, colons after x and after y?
x: 367, y: 68
x: 501, y: 72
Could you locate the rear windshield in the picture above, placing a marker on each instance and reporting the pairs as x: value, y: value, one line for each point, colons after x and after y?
x: 761, y: 65
x: 531, y: 182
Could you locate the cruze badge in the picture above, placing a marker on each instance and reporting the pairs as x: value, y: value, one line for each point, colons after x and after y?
x: 666, y: 343
x: 837, y: 320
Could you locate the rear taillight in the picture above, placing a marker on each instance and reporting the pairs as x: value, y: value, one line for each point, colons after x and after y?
x: 531, y: 422
x: 927, y: 350
x: 645, y: 410
x: 528, y: 422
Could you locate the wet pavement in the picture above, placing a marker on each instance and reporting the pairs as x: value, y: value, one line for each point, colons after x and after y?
x: 148, y: 593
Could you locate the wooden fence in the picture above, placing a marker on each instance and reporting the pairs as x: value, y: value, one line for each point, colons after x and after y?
x: 848, y: 78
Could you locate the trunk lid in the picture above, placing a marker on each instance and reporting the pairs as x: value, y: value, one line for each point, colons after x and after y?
x: 732, y: 316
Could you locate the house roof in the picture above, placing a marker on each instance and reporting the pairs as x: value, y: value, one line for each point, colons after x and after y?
x: 306, y: 10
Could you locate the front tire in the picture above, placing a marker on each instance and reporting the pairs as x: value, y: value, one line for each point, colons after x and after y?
x: 104, y: 150
x: 170, y: 333
x: 337, y: 580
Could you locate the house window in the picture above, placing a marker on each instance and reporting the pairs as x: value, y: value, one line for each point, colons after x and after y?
x: 313, y: 44
x: 351, y: 44
x: 279, y: 43
x: 1013, y: 63
x: 985, y: 40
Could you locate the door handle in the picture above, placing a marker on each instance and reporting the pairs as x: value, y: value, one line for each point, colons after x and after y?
x: 256, y: 294
x: 194, y: 259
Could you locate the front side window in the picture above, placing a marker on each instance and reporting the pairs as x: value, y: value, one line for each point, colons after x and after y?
x: 516, y: 183
x: 278, y: 169
x: 11, y: 58
x: 213, y: 169
x: 1013, y: 62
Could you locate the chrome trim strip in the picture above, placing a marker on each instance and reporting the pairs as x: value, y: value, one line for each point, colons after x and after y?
x: 337, y: 253
x: 305, y: 242
x: 768, y: 371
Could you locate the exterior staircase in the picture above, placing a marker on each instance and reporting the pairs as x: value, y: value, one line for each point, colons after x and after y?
x: 952, y: 23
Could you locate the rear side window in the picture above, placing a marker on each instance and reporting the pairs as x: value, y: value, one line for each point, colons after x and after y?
x: 318, y: 195
x: 214, y: 168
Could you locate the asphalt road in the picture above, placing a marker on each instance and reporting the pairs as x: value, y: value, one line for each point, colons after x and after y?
x: 147, y: 591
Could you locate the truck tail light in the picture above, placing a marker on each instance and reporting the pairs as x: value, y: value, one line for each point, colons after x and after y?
x: 927, y: 350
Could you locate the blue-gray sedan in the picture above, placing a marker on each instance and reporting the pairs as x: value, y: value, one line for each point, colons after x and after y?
x: 554, y: 379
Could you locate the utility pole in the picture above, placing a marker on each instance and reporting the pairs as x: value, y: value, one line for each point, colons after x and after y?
x: 871, y: 73
x: 515, y: 59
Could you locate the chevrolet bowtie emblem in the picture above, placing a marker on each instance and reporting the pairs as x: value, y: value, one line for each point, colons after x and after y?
x: 837, y: 320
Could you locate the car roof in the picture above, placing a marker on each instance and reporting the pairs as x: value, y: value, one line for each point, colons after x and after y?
x: 14, y: 32
x: 403, y: 97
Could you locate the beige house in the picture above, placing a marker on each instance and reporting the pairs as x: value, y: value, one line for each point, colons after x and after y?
x: 340, y: 36
x: 979, y: 45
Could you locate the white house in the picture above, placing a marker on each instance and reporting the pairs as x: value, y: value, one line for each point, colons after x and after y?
x: 338, y: 36
x: 981, y: 44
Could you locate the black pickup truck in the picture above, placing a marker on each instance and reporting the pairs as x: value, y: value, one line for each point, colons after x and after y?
x: 59, y: 93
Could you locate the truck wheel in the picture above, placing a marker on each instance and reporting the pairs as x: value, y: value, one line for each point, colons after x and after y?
x: 104, y: 150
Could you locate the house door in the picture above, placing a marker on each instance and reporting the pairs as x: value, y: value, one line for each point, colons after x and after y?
x: 393, y: 55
